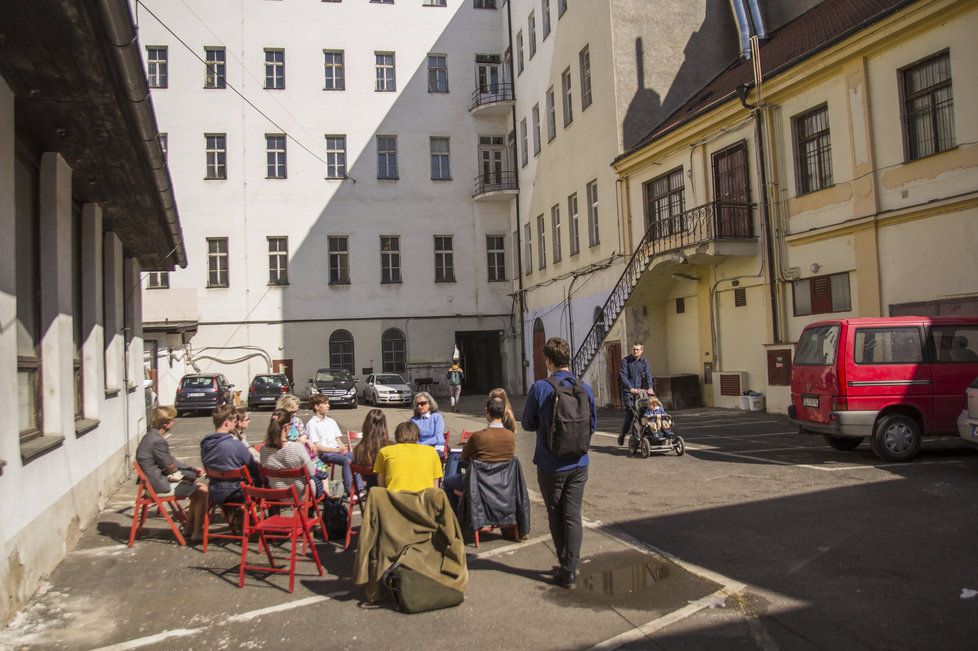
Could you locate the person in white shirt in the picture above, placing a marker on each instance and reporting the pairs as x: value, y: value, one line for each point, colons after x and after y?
x: 324, y: 437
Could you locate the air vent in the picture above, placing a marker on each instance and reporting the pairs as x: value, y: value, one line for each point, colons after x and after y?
x: 730, y: 384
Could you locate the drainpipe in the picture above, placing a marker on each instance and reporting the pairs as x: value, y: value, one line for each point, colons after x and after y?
x: 743, y: 26
x: 756, y: 18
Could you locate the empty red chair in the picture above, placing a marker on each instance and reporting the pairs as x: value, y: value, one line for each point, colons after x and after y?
x: 356, y: 497
x: 146, y: 497
x: 242, y: 475
x: 311, y: 501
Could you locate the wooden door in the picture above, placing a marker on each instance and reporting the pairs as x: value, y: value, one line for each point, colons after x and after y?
x: 614, y: 381
x: 283, y: 366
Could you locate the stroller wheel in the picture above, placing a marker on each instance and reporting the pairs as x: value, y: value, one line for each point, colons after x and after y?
x: 632, y: 446
x: 644, y: 448
x: 679, y: 446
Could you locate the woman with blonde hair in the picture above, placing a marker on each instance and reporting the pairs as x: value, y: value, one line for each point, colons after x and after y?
x: 509, y: 419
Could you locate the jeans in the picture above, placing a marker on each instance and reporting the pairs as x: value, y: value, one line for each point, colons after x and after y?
x: 455, y: 393
x: 627, y: 402
x: 450, y: 484
x: 563, y: 494
x: 344, y: 461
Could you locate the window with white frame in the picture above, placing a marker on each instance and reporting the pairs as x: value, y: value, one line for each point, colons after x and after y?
x: 496, y: 257
x: 536, y: 129
x: 555, y: 229
x: 822, y: 294
x: 274, y: 69
x: 928, y: 106
x: 386, y: 157
x: 551, y: 115
x: 585, y: 60
x: 393, y: 347
x: 440, y: 160
x: 575, y: 232
x: 485, y: 4
x: 335, y: 70
x: 157, y: 280
x: 524, y: 143
x: 434, y: 3
x: 216, y: 156
x: 541, y: 243
x: 813, y: 150
x: 275, y: 156
x: 157, y: 66
x: 278, y: 261
x: 444, y: 259
x: 531, y: 33
x: 216, y: 76
x: 545, y: 17
x: 335, y: 157
x: 437, y: 73
x: 527, y: 249
x: 338, y: 247
x: 385, y: 72
x: 567, y: 96
x: 519, y: 52
x: 217, y: 262
x: 390, y: 259
x: 593, y: 225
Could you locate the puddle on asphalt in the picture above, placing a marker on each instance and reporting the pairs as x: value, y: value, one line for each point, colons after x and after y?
x: 628, y: 579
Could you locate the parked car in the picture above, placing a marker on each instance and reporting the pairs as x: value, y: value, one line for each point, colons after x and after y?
x: 387, y: 389
x: 202, y: 392
x: 893, y: 380
x: 968, y: 420
x: 266, y: 389
x: 336, y: 384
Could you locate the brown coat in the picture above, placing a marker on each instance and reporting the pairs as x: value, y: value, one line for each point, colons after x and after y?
x: 492, y: 445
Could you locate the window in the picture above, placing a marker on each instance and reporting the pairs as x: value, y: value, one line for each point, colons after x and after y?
x: 440, y: 160
x: 928, y: 106
x: 434, y: 3
x: 386, y: 157
x: 437, y: 73
x: 274, y: 69
x: 817, y: 346
x: 567, y: 96
x: 335, y: 157
x: 275, y: 156
x: 335, y: 72
x: 585, y: 59
x: 158, y: 280
x: 680, y: 305
x: 813, y: 150
x: 541, y: 242
x: 278, y: 261
x: 216, y: 76
x: 216, y: 156
x: 551, y: 115
x: 519, y: 52
x: 485, y: 4
x: 527, y: 249
x: 382, y: 2
x: 524, y: 145
x: 28, y: 296
x: 536, y: 129
x: 531, y: 33
x: 955, y: 344
x: 887, y: 346
x: 390, y: 259
x: 444, y: 259
x: 545, y: 16
x: 665, y: 201
x: 157, y: 69
x: 217, y: 262
x: 393, y: 351
x: 740, y: 297
x: 594, y: 234
x: 339, y: 259
x: 575, y: 233
x: 496, y: 257
x: 385, y: 72
x: 341, y: 350
x: 555, y: 228
x: 561, y: 7
x: 822, y: 294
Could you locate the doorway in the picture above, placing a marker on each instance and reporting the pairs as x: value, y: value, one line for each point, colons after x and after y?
x: 481, y: 359
x: 732, y: 191
x: 539, y: 339
x: 614, y: 363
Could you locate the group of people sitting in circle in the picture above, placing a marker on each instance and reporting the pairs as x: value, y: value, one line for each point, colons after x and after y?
x: 411, y: 462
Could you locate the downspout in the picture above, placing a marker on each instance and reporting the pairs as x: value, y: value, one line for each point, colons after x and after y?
x: 743, y: 26
x: 117, y: 22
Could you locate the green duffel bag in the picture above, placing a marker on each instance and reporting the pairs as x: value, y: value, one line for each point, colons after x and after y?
x: 416, y: 592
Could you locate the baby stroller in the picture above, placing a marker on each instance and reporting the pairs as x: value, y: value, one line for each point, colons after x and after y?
x: 652, y: 429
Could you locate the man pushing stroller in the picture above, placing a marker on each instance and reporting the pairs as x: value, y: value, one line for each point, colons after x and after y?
x: 635, y: 376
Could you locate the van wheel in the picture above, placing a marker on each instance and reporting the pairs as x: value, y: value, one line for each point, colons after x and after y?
x: 843, y: 443
x: 896, y: 438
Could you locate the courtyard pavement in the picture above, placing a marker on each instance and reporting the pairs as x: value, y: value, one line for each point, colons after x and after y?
x: 758, y: 537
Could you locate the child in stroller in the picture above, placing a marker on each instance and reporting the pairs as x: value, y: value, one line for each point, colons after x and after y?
x: 652, y: 428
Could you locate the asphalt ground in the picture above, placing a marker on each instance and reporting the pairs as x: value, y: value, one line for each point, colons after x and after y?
x: 758, y: 537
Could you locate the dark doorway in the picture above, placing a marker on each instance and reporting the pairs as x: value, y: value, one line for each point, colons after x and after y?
x: 539, y: 339
x: 482, y: 359
x: 283, y: 366
x: 731, y: 191
x: 614, y: 363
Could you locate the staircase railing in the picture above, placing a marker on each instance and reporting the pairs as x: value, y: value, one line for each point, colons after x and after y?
x: 711, y: 221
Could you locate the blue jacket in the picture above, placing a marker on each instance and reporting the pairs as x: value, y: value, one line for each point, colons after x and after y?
x: 537, y: 415
x: 223, y: 451
x: 634, y: 374
x: 432, y: 429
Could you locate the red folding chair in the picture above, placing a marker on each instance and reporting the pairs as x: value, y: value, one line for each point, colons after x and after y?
x: 238, y: 474
x: 352, y: 438
x: 356, y: 497
x: 146, y: 497
x: 310, y: 500
x: 466, y: 435
x: 257, y: 503
x: 447, y: 448
x: 515, y: 535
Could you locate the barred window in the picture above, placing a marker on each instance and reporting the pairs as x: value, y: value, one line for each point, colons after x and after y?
x: 274, y: 69
x: 157, y: 67
x: 335, y: 70
x: 813, y: 150
x: 928, y: 107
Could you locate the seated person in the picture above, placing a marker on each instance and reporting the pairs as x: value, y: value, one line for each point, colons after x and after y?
x: 493, y: 444
x: 324, y: 438
x: 655, y: 418
x: 222, y: 450
x: 242, y: 420
x: 282, y: 452
x: 429, y: 421
x: 373, y: 437
x: 168, y: 476
x: 407, y: 465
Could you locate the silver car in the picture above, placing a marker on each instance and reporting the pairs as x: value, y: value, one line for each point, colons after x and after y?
x: 387, y: 389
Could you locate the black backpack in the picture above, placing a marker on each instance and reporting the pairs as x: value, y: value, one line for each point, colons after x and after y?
x: 570, y: 425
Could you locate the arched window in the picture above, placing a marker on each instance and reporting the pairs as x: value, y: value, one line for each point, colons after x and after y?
x: 392, y: 349
x: 600, y: 328
x: 341, y: 350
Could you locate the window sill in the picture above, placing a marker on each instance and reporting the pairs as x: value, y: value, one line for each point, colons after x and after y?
x: 392, y: 90
x: 216, y: 286
x: 438, y: 92
x: 908, y: 161
x: 215, y: 178
x: 443, y: 180
x: 130, y: 388
x: 388, y: 178
x: 34, y: 448
x: 276, y: 178
x: 151, y: 287
x: 285, y: 284
x: 391, y: 282
x: 112, y: 392
x: 339, y: 282
x: 334, y: 89
x: 808, y: 192
x: 336, y: 178
x: 85, y: 425
x: 441, y: 282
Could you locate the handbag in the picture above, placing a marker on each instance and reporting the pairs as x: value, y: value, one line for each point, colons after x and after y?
x: 415, y: 592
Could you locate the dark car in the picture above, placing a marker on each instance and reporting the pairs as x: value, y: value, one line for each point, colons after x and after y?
x: 336, y: 384
x: 202, y: 392
x: 265, y: 390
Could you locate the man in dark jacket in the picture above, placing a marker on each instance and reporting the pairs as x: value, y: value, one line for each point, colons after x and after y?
x: 635, y: 375
x: 222, y: 450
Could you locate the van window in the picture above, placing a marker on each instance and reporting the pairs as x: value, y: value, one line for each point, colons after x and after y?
x: 817, y: 346
x: 888, y: 346
x: 955, y: 343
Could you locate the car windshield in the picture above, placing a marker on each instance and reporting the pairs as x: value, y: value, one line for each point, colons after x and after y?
x: 817, y: 346
x: 390, y: 379
x: 197, y: 382
x: 268, y: 381
x: 332, y: 375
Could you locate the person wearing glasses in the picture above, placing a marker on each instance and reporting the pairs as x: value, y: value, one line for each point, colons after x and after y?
x: 431, y: 424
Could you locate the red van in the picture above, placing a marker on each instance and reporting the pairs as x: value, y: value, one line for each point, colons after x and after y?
x: 892, y: 379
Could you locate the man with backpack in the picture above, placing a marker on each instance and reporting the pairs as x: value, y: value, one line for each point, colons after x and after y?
x: 561, y: 410
x: 455, y: 377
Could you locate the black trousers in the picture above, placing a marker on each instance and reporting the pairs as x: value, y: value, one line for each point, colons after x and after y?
x: 563, y: 494
x: 628, y: 401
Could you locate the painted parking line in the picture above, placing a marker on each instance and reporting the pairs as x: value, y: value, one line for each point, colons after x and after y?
x: 750, y: 457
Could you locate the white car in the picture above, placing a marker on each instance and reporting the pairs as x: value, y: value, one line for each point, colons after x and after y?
x: 387, y: 389
x: 968, y: 420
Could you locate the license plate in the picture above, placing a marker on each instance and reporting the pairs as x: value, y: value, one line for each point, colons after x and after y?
x: 268, y: 399
x: 810, y: 402
x: 195, y: 395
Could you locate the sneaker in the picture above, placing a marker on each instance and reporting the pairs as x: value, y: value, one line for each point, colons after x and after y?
x: 565, y: 579
x: 621, y: 439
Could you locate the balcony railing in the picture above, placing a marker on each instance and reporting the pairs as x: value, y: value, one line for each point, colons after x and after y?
x: 495, y: 182
x: 712, y: 221
x: 491, y: 93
